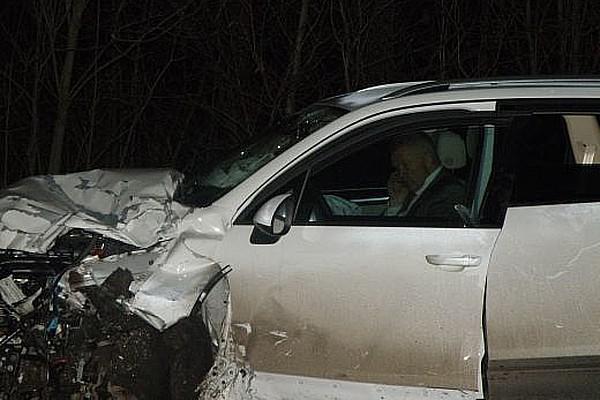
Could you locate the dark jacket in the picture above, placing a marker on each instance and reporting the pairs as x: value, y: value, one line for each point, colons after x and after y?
x: 438, y: 200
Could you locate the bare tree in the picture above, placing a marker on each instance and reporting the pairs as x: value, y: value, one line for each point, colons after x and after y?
x: 144, y: 83
x: 296, y: 56
x: 75, y: 9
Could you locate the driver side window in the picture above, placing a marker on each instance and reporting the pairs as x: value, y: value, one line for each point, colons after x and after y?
x: 425, y: 177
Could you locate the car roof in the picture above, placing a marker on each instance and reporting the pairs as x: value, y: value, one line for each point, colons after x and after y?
x: 370, y: 104
x: 361, y: 98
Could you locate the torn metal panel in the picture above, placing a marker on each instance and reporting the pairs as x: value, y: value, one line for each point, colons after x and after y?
x: 132, y: 206
x: 182, y: 271
x: 141, y: 264
x: 167, y: 282
x: 91, y: 344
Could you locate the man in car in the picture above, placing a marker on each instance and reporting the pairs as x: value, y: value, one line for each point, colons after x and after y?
x: 419, y: 186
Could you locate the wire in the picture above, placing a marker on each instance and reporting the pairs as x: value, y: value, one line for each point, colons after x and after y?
x: 9, y: 337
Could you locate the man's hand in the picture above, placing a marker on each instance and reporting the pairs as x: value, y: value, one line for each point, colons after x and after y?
x: 397, y: 189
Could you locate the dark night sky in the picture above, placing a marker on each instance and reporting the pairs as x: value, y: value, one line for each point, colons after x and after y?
x: 142, y: 83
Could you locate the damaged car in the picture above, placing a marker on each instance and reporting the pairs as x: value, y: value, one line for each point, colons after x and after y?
x: 430, y: 240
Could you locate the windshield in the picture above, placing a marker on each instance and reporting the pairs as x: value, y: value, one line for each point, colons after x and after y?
x: 203, y: 188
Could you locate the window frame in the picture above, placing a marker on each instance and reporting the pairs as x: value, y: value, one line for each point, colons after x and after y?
x: 508, y: 109
x: 367, y: 133
x: 381, y: 134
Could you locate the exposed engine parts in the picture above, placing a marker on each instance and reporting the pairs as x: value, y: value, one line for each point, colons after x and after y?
x: 63, y: 336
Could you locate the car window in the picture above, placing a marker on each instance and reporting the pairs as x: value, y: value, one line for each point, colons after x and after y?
x: 544, y: 159
x: 201, y: 188
x: 584, y: 138
x: 417, y: 177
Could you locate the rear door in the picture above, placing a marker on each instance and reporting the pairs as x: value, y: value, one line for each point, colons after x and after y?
x: 543, y: 313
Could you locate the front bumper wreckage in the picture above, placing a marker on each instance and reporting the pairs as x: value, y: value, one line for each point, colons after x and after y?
x: 107, y: 291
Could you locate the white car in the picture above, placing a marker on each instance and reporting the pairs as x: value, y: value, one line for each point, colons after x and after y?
x: 475, y: 277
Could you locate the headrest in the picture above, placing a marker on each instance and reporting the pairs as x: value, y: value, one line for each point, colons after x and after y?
x: 451, y: 150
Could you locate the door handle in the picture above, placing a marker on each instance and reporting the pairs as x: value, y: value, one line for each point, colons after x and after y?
x: 462, y: 261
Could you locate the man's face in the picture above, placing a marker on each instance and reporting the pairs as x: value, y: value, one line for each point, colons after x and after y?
x: 412, y: 163
x: 397, y: 188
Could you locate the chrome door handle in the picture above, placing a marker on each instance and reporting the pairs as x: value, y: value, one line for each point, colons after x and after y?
x: 464, y: 261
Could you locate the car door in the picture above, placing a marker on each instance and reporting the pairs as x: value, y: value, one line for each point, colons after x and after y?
x: 352, y: 293
x: 543, y: 316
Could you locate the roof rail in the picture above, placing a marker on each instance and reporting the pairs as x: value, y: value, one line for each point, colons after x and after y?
x: 426, y: 87
x: 509, y: 82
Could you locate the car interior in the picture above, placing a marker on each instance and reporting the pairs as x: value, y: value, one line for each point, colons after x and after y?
x: 544, y: 158
x: 355, y: 187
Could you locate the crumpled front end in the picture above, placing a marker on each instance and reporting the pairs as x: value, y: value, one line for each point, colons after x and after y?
x: 110, y: 289
x: 134, y: 207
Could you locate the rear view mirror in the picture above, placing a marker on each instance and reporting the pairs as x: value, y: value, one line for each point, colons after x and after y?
x: 275, y: 216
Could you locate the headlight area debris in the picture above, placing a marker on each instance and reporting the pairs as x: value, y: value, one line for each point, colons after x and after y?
x: 64, y: 336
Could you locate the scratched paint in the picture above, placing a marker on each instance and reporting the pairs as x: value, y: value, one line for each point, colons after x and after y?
x: 543, y: 283
x: 316, y: 309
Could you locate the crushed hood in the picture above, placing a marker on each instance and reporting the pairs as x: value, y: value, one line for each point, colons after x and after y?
x: 132, y: 206
x: 135, y: 207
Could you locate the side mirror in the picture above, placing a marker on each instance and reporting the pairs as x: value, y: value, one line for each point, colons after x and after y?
x: 275, y: 216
